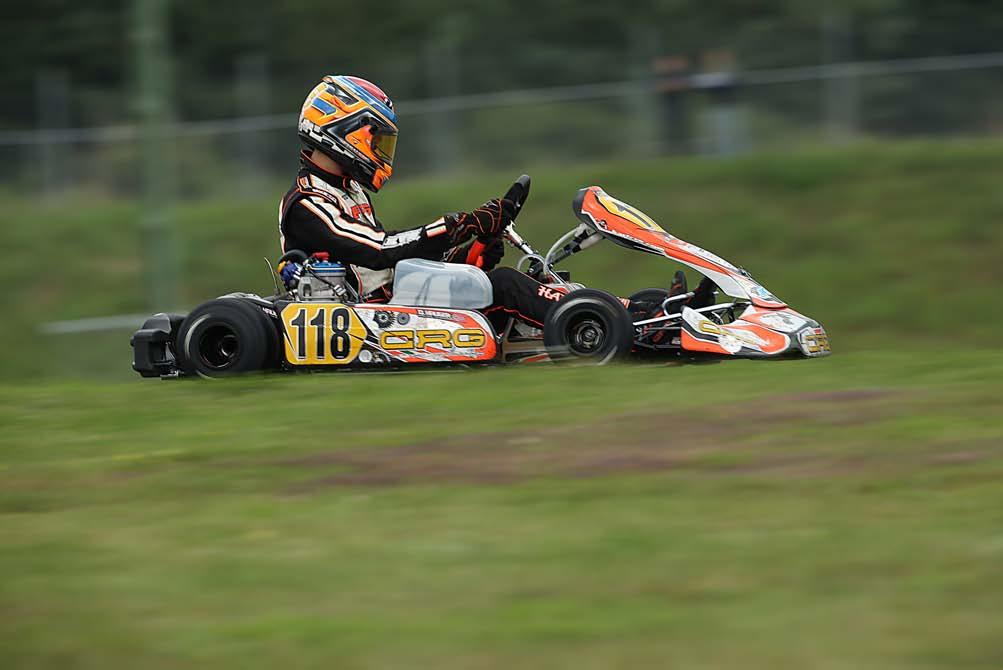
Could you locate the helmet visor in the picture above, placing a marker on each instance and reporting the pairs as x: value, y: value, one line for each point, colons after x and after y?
x: 384, y: 145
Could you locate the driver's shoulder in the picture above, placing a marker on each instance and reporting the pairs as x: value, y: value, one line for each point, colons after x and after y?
x: 310, y: 185
x: 344, y: 199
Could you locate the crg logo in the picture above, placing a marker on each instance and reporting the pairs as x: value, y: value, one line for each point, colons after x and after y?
x: 463, y: 338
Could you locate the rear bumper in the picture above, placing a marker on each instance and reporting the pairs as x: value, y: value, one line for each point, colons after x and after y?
x: 153, y: 346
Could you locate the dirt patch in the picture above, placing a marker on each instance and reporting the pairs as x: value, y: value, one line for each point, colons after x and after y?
x: 968, y: 456
x: 848, y: 395
x: 719, y: 439
x: 821, y: 407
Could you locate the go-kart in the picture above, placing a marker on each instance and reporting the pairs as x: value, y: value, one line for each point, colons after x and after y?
x: 316, y: 321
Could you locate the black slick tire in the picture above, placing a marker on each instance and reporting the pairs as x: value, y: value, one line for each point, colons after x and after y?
x: 588, y: 326
x: 224, y: 337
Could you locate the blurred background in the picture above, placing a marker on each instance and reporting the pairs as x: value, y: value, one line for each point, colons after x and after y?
x: 147, y: 142
x: 839, y: 513
x: 477, y: 88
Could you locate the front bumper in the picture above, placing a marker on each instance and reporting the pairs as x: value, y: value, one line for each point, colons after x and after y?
x: 814, y: 342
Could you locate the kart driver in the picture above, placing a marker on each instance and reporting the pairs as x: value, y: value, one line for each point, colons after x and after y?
x: 349, y: 127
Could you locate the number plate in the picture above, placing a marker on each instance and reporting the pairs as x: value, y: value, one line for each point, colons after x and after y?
x: 322, y: 334
x: 815, y: 342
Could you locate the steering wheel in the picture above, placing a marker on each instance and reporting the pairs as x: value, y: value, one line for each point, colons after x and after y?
x: 518, y: 192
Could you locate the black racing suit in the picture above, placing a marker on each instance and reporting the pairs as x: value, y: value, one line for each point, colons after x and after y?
x: 327, y: 212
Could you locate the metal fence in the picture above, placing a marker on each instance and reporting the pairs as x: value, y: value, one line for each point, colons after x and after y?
x: 715, y: 112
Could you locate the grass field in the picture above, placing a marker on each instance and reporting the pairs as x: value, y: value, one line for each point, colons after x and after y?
x: 841, y: 513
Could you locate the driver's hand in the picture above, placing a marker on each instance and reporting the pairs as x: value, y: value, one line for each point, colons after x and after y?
x: 494, y: 251
x: 488, y: 220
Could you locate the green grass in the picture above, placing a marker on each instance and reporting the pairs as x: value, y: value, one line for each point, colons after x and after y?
x: 886, y: 244
x: 839, y: 513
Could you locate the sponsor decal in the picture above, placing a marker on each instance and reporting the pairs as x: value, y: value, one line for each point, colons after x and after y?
x: 363, y: 210
x: 601, y: 224
x: 462, y: 338
x: 550, y: 293
x: 709, y: 328
x: 436, y: 314
x: 700, y: 252
x: 761, y: 292
x: 729, y: 343
x: 401, y: 239
x: 627, y: 212
x: 787, y: 323
x: 730, y: 339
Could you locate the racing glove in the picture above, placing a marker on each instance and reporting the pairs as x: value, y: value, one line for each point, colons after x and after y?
x: 494, y: 251
x: 491, y: 255
x: 487, y: 221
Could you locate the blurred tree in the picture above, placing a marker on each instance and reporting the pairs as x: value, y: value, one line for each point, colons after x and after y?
x: 499, y: 46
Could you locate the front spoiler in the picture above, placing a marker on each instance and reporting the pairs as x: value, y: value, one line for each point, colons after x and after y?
x: 750, y: 337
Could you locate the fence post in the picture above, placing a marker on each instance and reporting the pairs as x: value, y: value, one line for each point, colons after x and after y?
x: 840, y: 86
x: 724, y: 118
x: 155, y: 150
x: 442, y: 78
x: 252, y: 98
x: 673, y: 86
x: 52, y: 98
x: 643, y: 100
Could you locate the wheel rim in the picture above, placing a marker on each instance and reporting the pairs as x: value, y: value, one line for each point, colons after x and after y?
x: 219, y: 347
x: 586, y: 335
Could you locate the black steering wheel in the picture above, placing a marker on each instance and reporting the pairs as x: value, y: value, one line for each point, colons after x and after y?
x: 518, y: 192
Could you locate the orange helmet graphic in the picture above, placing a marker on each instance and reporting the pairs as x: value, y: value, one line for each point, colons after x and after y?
x: 353, y: 122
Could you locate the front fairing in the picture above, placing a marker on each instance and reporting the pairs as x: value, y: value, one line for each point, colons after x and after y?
x: 755, y: 333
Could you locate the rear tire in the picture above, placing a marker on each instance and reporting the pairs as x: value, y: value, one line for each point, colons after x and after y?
x: 588, y: 326
x: 224, y: 337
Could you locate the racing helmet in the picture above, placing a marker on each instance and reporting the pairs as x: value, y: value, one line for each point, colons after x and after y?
x: 353, y: 122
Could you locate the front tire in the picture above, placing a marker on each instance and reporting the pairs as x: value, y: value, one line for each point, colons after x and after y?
x: 224, y: 337
x: 588, y: 326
